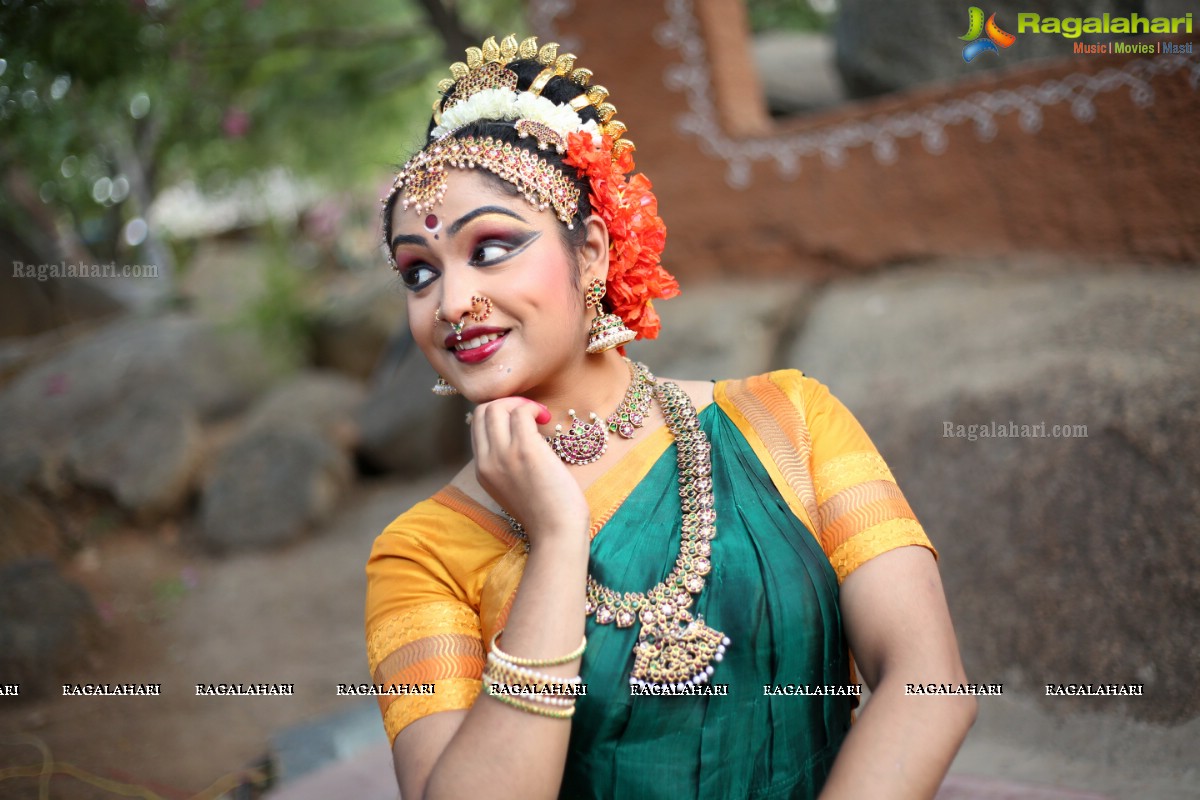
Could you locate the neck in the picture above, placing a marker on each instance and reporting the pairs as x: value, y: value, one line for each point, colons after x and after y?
x: 596, y: 383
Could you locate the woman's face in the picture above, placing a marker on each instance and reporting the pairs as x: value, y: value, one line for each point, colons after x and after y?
x: 483, y: 241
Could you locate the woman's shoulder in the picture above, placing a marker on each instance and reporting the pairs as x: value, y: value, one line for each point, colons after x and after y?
x: 803, y: 390
x: 451, y: 516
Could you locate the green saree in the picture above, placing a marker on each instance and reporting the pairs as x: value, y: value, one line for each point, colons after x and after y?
x: 774, y: 594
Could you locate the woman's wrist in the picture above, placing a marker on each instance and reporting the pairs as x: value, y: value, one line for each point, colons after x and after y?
x: 560, y: 531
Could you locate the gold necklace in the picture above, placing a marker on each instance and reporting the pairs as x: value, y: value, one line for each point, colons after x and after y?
x: 673, y: 647
x: 584, y: 442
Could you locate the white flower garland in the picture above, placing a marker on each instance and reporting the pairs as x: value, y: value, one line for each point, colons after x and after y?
x: 503, y: 104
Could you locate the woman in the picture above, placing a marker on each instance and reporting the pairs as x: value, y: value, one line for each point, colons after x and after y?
x: 723, y: 543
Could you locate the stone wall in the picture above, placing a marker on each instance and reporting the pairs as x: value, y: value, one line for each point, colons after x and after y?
x: 1086, y: 155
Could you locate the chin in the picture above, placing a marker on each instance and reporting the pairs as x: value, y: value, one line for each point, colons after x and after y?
x: 485, y: 388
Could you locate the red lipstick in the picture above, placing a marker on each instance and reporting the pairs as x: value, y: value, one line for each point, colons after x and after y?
x: 476, y: 354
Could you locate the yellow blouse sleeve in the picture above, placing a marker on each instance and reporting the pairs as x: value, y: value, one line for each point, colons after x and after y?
x: 424, y: 641
x: 824, y: 465
x: 861, y: 512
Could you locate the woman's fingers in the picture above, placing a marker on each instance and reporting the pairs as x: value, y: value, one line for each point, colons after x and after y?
x: 495, y: 426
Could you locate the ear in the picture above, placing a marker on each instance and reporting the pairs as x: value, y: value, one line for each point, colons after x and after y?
x: 594, y: 253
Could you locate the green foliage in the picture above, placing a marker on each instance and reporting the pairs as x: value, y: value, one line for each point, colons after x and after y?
x: 280, y: 316
x: 771, y: 15
x: 209, y: 90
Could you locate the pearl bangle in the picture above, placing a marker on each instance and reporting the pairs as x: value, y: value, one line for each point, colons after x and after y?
x: 536, y: 662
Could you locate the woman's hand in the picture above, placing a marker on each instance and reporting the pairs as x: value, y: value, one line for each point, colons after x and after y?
x: 521, y: 473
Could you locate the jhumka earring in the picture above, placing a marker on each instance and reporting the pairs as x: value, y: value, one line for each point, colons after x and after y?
x: 608, y: 330
x: 443, y: 389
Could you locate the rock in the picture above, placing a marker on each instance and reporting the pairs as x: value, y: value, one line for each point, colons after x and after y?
x: 354, y: 323
x: 722, y: 330
x: 191, y: 364
x: 26, y: 529
x: 1061, y: 555
x: 405, y: 427
x: 46, y: 625
x: 883, y: 47
x: 797, y: 71
x: 145, y: 455
x: 286, y: 467
x: 323, y: 402
x: 271, y: 486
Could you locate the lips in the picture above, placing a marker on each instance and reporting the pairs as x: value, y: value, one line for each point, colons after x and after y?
x: 477, y: 344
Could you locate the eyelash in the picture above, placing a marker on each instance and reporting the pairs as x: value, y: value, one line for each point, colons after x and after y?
x: 410, y: 272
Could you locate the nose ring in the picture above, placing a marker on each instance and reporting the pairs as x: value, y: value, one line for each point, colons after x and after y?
x: 481, y: 308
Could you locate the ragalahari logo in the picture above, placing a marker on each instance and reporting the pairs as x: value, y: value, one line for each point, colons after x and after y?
x: 995, y: 37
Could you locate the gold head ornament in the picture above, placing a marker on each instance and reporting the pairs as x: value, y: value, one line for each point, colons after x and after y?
x: 485, y: 68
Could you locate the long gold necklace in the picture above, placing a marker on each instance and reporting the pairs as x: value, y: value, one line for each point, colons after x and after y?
x: 673, y: 647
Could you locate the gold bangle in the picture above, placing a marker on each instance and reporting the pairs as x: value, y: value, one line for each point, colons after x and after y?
x: 523, y: 705
x: 580, y: 103
x: 512, y: 673
x: 536, y: 662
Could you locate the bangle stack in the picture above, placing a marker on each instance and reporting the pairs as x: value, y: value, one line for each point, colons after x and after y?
x: 530, y: 690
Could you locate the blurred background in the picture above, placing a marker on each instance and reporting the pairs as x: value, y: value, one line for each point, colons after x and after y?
x: 209, y: 406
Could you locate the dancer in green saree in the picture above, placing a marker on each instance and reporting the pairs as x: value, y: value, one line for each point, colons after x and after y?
x: 664, y: 601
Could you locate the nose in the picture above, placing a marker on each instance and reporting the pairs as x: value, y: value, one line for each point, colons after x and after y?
x: 458, y: 291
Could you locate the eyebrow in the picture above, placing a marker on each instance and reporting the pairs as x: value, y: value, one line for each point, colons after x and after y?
x: 462, y: 221
x: 408, y: 238
x: 457, y: 225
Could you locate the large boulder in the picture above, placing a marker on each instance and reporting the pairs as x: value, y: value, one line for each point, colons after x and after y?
x: 47, y: 625
x: 405, y: 427
x: 287, y: 466
x: 723, y: 330
x: 320, y: 401
x: 145, y: 455
x: 271, y: 486
x: 355, y: 319
x: 27, y: 529
x: 183, y: 362
x: 1068, y: 554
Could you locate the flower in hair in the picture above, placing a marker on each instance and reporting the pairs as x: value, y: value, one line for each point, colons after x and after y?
x: 504, y: 104
x: 636, y: 234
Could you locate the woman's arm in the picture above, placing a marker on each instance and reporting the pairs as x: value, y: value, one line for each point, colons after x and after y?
x: 899, y: 629
x: 493, y: 750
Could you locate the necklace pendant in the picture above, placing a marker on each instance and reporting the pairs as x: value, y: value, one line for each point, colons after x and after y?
x: 583, y: 443
x: 677, y: 651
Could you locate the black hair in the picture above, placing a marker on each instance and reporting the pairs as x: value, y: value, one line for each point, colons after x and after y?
x: 559, y: 90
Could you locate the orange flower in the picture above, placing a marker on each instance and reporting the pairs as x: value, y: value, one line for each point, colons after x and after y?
x: 637, y: 235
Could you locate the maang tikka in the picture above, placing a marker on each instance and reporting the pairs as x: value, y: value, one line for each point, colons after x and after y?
x: 608, y: 330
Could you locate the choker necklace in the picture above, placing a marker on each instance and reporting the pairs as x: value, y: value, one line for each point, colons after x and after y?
x: 673, y: 647
x: 585, y: 442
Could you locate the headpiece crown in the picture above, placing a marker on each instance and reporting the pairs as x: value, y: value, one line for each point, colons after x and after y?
x: 485, y: 68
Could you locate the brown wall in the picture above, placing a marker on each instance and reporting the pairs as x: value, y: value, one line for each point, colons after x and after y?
x: 1123, y: 186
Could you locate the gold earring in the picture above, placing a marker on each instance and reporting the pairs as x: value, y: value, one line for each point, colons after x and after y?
x: 608, y: 330
x: 443, y: 389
